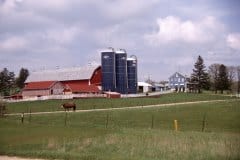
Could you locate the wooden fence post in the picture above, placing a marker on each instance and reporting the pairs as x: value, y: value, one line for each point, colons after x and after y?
x: 175, y: 125
x: 107, y: 121
x: 30, y: 115
x: 22, y: 118
x: 152, y: 121
x: 204, y: 122
x: 65, y: 118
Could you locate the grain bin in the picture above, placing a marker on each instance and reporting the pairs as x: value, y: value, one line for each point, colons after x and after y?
x: 108, y: 70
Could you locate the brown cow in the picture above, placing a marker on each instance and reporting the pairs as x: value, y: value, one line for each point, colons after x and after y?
x: 69, y: 105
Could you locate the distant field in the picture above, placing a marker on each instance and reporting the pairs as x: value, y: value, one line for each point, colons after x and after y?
x: 54, y: 105
x: 139, y: 134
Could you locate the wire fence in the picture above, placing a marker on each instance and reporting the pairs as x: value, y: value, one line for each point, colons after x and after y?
x: 109, y: 120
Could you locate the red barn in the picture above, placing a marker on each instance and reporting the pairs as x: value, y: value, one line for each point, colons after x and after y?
x: 74, y: 80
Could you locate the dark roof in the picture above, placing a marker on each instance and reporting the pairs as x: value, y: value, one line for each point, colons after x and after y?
x: 178, y: 74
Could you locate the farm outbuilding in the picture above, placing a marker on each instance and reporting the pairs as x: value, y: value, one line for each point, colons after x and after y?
x: 43, y: 88
x: 73, y: 80
x: 144, y: 87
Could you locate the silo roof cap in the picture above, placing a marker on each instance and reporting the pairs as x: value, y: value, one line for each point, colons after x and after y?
x: 131, y: 59
x: 121, y: 51
x: 108, y: 50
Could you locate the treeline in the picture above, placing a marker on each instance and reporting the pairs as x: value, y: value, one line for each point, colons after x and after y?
x: 217, y: 77
x: 10, y: 84
x: 224, y: 78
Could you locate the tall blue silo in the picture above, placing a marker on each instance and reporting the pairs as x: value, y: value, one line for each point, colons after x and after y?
x: 121, y: 71
x: 108, y: 70
x: 132, y: 74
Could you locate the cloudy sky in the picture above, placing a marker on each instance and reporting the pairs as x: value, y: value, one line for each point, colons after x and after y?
x: 165, y: 35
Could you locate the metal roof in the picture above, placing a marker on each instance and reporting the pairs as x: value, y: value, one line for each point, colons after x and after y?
x: 39, y: 85
x: 144, y: 84
x: 66, y: 74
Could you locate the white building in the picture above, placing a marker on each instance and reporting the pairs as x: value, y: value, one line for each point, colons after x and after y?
x: 144, y: 87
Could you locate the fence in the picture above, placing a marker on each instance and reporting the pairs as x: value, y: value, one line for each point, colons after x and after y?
x: 109, y: 121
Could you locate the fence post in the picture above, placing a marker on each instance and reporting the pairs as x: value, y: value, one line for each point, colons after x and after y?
x: 107, y: 121
x: 204, y: 122
x: 22, y: 118
x: 65, y: 118
x: 152, y: 121
x: 30, y: 115
x: 175, y: 125
x: 1, y: 110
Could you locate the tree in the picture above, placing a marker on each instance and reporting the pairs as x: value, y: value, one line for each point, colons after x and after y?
x: 223, y: 82
x: 231, y: 76
x: 199, y: 75
x: 7, y: 82
x: 23, y: 74
x: 213, y: 74
x: 238, y: 79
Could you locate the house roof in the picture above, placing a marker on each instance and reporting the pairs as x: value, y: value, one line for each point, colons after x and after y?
x: 66, y: 74
x: 76, y: 87
x: 173, y: 75
x: 39, y: 85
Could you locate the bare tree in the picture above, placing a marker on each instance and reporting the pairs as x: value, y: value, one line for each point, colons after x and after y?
x: 213, y: 74
x: 238, y: 79
x: 231, y: 76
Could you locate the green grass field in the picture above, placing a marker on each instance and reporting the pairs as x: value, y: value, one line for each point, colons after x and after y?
x: 95, y: 103
x: 145, y: 133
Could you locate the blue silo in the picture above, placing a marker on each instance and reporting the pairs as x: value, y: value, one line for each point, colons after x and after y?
x: 108, y: 70
x: 121, y: 71
x: 132, y: 74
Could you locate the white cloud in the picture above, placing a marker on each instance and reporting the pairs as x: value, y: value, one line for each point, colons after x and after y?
x: 173, y: 29
x: 233, y: 41
x: 7, y: 6
x: 47, y: 5
x: 125, y: 8
x: 62, y: 36
x: 13, y: 43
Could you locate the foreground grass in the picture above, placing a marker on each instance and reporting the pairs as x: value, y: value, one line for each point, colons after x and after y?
x: 54, y: 105
x: 127, y: 134
x: 126, y: 144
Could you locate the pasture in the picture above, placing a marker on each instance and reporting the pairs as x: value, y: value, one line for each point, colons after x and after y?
x: 97, y: 103
x: 144, y: 133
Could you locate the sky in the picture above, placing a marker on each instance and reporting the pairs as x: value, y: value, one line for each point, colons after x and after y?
x: 166, y: 35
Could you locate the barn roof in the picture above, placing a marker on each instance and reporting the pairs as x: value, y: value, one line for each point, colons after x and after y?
x: 39, y: 85
x: 76, y: 87
x: 76, y: 73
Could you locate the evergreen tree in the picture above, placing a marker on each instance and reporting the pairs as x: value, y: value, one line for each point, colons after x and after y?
x: 7, y: 82
x: 199, y: 75
x: 223, y: 82
x: 23, y: 74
